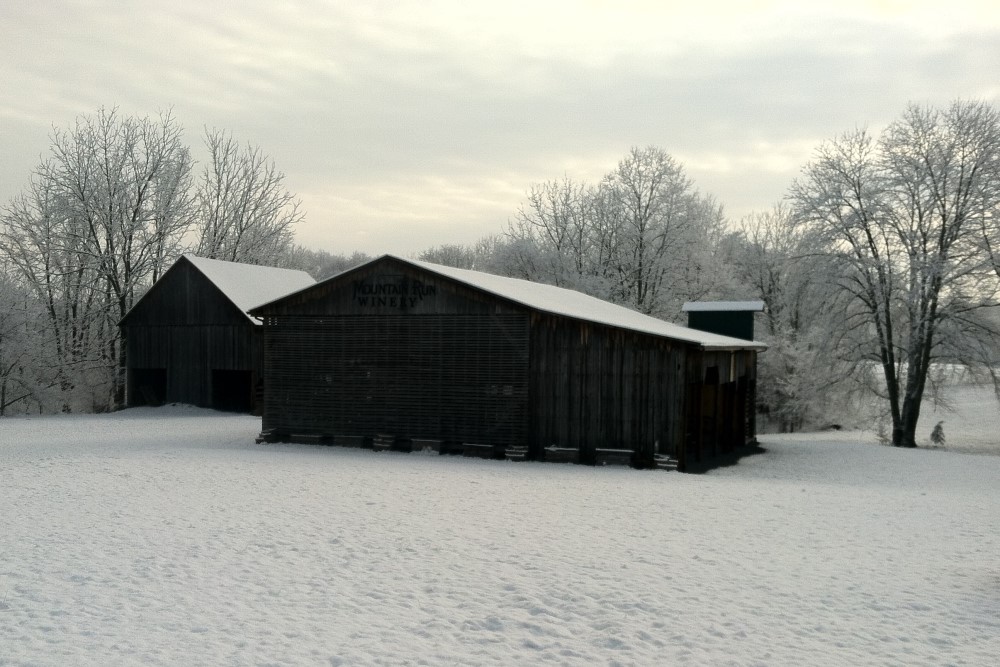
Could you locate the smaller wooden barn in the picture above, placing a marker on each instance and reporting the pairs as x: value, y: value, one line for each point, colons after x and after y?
x: 190, y: 340
x: 408, y: 354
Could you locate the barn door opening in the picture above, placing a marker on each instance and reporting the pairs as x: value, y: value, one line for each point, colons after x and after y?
x: 232, y: 391
x: 148, y: 386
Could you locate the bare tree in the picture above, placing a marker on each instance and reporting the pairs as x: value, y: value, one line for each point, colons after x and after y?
x: 642, y: 237
x: 801, y: 380
x: 487, y: 254
x: 770, y: 263
x: 903, y: 216
x: 556, y: 223
x: 320, y: 264
x: 103, y: 215
x: 23, y: 384
x: 654, y: 222
x: 451, y: 254
x: 245, y: 214
x: 41, y: 243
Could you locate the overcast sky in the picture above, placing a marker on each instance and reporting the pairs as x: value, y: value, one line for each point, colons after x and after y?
x: 405, y: 125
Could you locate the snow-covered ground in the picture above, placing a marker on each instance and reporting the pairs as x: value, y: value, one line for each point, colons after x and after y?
x: 971, y: 420
x: 166, y: 537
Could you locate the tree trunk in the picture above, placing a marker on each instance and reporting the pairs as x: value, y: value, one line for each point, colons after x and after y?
x: 892, y: 390
x: 908, y: 422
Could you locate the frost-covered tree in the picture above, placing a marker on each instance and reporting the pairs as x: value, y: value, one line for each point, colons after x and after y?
x: 801, y: 380
x: 556, y: 237
x: 45, y: 246
x: 488, y: 254
x: 659, y: 224
x: 23, y: 382
x: 767, y: 259
x: 451, y: 254
x: 903, y: 217
x: 244, y: 214
x: 557, y: 221
x: 104, y: 213
x: 320, y: 264
x: 642, y: 237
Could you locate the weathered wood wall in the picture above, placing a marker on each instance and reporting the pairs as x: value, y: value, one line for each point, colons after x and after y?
x: 458, y: 378
x: 597, y: 387
x: 189, y: 355
x: 719, y: 405
x: 388, y: 349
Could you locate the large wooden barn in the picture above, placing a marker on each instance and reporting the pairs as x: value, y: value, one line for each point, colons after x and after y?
x: 190, y: 340
x: 407, y: 354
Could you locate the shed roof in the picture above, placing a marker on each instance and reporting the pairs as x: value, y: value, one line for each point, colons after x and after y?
x: 722, y: 306
x: 576, y: 305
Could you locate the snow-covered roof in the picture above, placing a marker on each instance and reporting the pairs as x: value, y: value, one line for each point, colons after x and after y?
x: 576, y: 305
x: 249, y: 285
x: 722, y: 306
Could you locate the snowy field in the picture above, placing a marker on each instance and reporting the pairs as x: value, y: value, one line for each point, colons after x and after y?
x: 166, y: 537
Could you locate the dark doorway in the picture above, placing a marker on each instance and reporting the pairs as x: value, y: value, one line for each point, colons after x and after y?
x: 232, y: 391
x: 149, y: 386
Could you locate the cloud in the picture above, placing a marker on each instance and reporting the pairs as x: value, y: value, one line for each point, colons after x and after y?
x: 404, y: 125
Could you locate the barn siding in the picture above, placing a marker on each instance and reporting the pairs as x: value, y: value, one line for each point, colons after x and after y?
x: 458, y: 378
x: 595, y: 387
x: 721, y: 395
x: 189, y: 354
x: 387, y: 349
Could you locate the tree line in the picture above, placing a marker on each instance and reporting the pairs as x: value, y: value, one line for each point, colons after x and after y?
x: 879, y: 271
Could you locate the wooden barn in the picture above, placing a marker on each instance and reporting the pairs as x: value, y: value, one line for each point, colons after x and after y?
x: 406, y: 354
x: 190, y: 340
